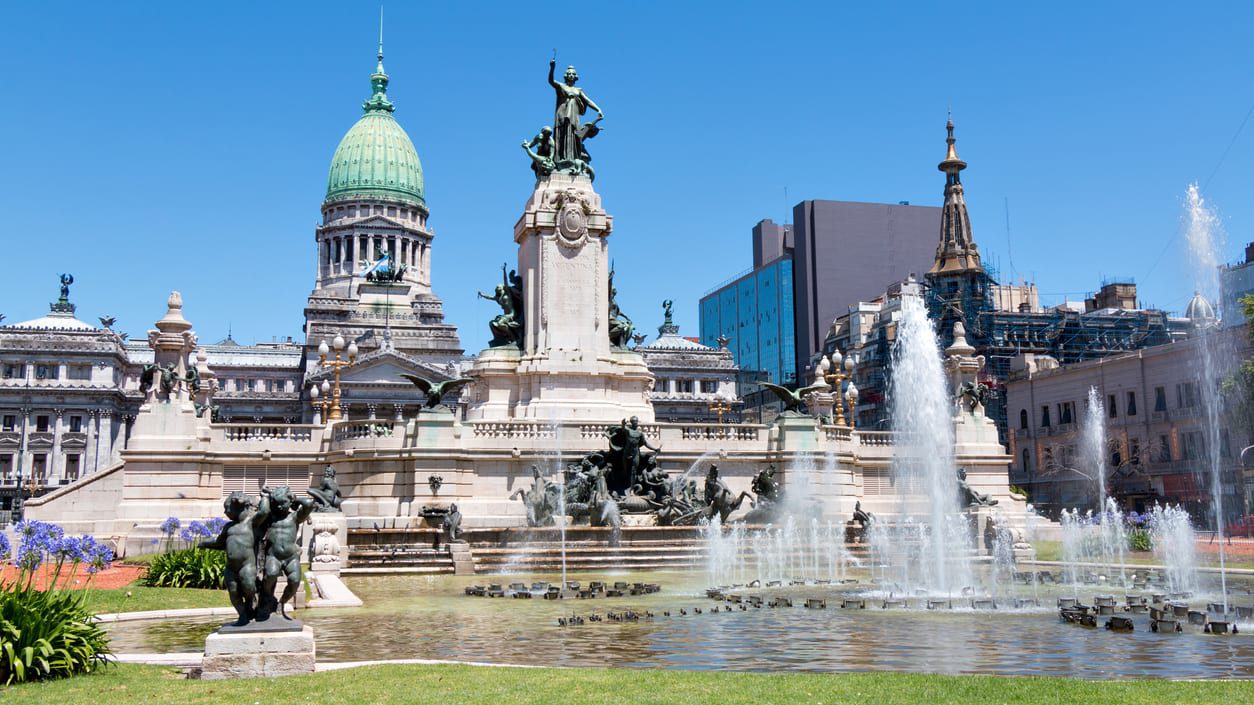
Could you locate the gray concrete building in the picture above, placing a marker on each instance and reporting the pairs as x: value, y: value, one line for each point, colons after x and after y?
x: 846, y: 252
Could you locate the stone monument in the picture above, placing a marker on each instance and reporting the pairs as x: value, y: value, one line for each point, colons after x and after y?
x: 259, y: 539
x: 570, y: 360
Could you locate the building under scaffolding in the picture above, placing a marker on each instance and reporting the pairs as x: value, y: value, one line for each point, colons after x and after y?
x: 1001, y: 320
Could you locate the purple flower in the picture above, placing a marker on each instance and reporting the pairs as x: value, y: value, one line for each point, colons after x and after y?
x: 215, y: 526
x: 5, y: 547
x: 170, y: 525
x: 187, y: 535
x: 200, y: 529
x: 101, y: 556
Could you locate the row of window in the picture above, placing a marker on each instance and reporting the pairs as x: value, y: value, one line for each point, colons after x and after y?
x: 258, y: 385
x: 685, y: 386
x: 48, y: 371
x: 1192, y: 447
x: 39, y: 467
x: 1186, y: 398
x: 363, y: 211
x: 43, y: 423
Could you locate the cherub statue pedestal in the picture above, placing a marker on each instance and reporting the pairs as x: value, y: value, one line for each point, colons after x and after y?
x: 276, y: 647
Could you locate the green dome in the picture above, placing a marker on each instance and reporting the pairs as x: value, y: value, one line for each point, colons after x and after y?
x: 376, y: 159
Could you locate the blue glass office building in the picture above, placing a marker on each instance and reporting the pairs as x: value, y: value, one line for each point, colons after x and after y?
x: 755, y: 312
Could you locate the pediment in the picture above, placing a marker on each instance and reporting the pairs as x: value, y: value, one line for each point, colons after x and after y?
x: 385, y: 367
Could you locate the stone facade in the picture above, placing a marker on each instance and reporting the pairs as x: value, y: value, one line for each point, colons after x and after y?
x: 693, y: 382
x: 1155, y: 426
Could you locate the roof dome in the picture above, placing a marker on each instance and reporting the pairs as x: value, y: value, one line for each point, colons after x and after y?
x: 1199, y: 310
x: 376, y: 159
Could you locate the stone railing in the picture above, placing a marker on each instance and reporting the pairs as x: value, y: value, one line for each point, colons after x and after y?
x: 875, y: 438
x: 265, y: 432
x: 837, y: 433
x: 596, y: 431
x: 512, y: 429
x: 358, y: 430
x: 719, y: 432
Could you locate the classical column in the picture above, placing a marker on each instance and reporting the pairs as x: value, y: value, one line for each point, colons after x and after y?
x: 92, y: 449
x: 23, y: 450
x: 56, y: 465
x: 371, y: 409
x: 399, y: 410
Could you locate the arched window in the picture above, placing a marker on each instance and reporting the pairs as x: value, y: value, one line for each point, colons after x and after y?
x: 1023, y: 418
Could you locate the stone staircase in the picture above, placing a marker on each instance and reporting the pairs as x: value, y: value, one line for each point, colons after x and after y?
x: 533, y: 550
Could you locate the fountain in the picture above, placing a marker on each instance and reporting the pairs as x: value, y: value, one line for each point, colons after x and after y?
x: 1175, y: 544
x: 1093, y: 444
x: 924, y: 465
x: 1203, y: 233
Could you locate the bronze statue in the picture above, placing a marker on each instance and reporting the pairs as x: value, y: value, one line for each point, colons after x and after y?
x: 968, y: 496
x: 507, y: 327
x: 626, y: 441
x: 282, y: 554
x: 540, y: 149
x: 451, y: 525
x: 327, y: 497
x: 620, y: 327
x: 666, y: 312
x: 861, y: 516
x: 169, y: 378
x: 765, y: 486
x: 193, y: 379
x: 67, y: 280
x: 719, y: 498
x: 436, y: 391
x: 146, y: 377
x: 540, y: 501
x: 793, y: 400
x: 240, y: 539
x: 974, y: 394
x: 570, y: 154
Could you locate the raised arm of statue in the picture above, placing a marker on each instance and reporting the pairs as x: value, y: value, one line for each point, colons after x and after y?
x: 552, y: 81
x: 306, y: 506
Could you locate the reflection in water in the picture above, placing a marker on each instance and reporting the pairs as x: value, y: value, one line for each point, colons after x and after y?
x: 429, y: 618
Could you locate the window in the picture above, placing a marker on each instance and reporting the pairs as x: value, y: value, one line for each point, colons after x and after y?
x: 1023, y: 419
x: 1027, y: 461
x: 1191, y: 442
x: 9, y: 422
x: 1116, y: 457
x: 14, y: 371
x: 45, y: 372
x: 251, y: 385
x: 72, y: 467
x: 76, y: 424
x: 6, y: 468
x: 1112, y: 409
x: 1186, y: 395
x: 1066, y: 412
x: 41, y: 423
x: 1045, y: 417
x: 1160, y: 399
x: 1134, y: 451
x: 684, y: 386
x: 709, y: 386
x: 1131, y: 403
x: 1164, y: 448
x: 79, y: 372
x: 39, y: 470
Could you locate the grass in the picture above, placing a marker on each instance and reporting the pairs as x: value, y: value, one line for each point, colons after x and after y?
x: 137, y: 598
x: 1052, y: 551
x: 469, y: 685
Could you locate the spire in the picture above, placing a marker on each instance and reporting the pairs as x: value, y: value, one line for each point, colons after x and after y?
x: 379, y: 80
x: 957, y: 251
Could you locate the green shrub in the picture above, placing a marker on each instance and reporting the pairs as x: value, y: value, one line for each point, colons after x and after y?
x: 1139, y: 540
x: 50, y: 633
x: 187, y: 568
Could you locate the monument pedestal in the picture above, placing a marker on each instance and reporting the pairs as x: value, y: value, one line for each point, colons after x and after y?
x: 252, y: 654
x: 463, y: 561
x: 326, y: 552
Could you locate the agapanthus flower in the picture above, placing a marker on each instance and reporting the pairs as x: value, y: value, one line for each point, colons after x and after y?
x: 199, y: 528
x: 215, y: 526
x: 170, y: 525
x: 187, y: 535
x: 5, y: 547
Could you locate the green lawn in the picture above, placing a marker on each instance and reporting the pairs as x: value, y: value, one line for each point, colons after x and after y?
x: 468, y: 685
x: 137, y: 598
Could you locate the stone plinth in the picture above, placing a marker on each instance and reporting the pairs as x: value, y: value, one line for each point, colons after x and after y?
x: 463, y: 561
x: 250, y: 654
x: 326, y: 550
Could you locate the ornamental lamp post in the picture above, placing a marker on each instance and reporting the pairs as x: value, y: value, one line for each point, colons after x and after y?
x: 720, y: 407
x: 337, y: 365
x: 838, y: 376
x: 851, y: 394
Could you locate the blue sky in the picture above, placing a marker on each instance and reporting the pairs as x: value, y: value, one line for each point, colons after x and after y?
x: 154, y: 146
